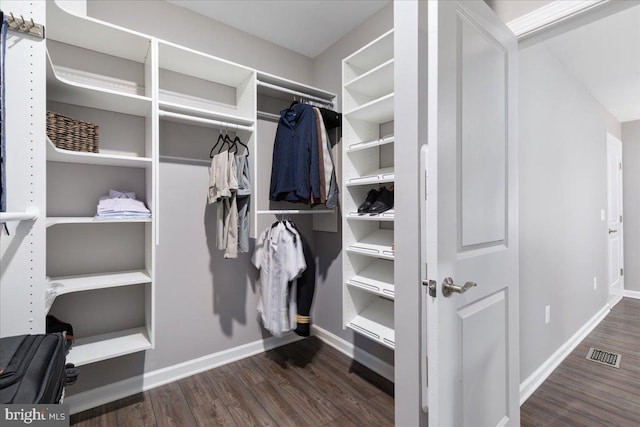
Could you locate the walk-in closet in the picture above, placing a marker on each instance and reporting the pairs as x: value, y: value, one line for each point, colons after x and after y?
x: 236, y: 227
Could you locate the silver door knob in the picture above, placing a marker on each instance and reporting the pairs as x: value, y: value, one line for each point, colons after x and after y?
x: 612, y: 231
x: 448, y: 287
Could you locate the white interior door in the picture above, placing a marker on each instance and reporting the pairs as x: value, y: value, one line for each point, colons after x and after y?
x: 615, y: 218
x: 471, y: 214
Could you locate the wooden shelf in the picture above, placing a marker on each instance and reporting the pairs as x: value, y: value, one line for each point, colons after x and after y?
x: 55, y: 154
x: 377, y: 244
x: 379, y: 110
x: 378, y: 176
x: 376, y: 278
x: 384, y: 216
x: 87, y: 282
x: 90, y: 33
x: 106, y: 346
x: 57, y: 220
x: 359, y: 146
x: 370, y: 56
x: 192, y: 63
x: 68, y: 91
x: 374, y: 83
x: 376, y: 322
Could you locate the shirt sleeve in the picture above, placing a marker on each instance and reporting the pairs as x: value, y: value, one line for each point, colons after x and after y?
x: 256, y: 258
x: 296, y: 264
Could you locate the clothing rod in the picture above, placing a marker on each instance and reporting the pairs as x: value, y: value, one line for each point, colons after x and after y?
x: 295, y: 92
x: 268, y: 116
x: 24, y: 26
x: 296, y: 211
x: 30, y: 214
x: 209, y: 122
x: 186, y: 160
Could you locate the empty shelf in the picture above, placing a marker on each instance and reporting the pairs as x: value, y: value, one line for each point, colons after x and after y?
x: 370, y: 144
x: 376, y: 278
x: 205, y: 111
x: 55, y: 154
x: 370, y: 56
x: 384, y: 216
x: 87, y: 282
x: 374, y: 177
x: 376, y: 322
x: 377, y: 244
x: 374, y: 83
x: 56, y: 220
x: 377, y: 111
x: 68, y: 91
x: 106, y: 346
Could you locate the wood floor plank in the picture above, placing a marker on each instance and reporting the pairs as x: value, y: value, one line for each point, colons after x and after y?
x: 102, y: 416
x: 362, y: 378
x: 170, y: 407
x: 207, y: 408
x: 245, y: 370
x: 241, y: 403
x: 384, y: 404
x: 278, y: 366
x: 333, y: 384
x: 136, y: 410
x: 343, y: 421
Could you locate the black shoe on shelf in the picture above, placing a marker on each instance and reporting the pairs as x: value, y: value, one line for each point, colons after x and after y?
x: 383, y: 203
x: 372, y: 196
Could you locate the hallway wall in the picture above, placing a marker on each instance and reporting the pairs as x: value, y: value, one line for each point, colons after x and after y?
x: 631, y: 208
x: 563, y: 241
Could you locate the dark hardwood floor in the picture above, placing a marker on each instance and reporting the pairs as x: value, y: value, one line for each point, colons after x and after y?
x: 584, y: 393
x: 306, y: 383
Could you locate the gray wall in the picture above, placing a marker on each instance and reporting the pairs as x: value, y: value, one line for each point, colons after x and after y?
x: 563, y: 242
x: 184, y: 27
x: 631, y: 195
x: 327, y: 74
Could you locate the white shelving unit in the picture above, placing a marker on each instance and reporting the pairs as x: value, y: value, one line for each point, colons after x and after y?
x: 109, y: 78
x: 368, y: 240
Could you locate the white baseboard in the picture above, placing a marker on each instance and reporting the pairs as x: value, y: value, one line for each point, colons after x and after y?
x: 379, y: 366
x: 118, y: 390
x: 631, y: 294
x: 528, y: 386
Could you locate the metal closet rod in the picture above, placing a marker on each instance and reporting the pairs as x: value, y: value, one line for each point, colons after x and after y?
x: 210, y: 122
x: 30, y: 214
x: 295, y: 92
x: 295, y: 211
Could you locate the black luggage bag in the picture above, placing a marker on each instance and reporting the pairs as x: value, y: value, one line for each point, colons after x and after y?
x: 32, y: 369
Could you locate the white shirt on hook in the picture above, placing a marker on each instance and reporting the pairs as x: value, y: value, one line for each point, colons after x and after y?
x: 280, y: 259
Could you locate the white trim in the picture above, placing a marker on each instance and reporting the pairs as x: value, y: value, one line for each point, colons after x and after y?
x: 118, y: 390
x: 528, y: 386
x: 550, y: 14
x: 378, y: 366
x: 631, y: 294
x: 108, y: 393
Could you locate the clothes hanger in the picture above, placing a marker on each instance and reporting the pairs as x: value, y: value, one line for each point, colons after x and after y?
x: 239, y: 141
x: 220, y: 139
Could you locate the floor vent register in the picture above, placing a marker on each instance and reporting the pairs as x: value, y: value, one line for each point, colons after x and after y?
x: 604, y: 357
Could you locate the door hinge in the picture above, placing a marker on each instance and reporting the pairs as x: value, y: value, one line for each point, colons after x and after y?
x: 620, y: 165
x: 620, y: 219
x: 622, y: 271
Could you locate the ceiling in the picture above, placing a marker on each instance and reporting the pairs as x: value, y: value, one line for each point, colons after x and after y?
x: 308, y: 27
x: 605, y: 57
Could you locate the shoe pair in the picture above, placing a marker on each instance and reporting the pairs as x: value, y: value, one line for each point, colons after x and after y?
x: 377, y: 201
